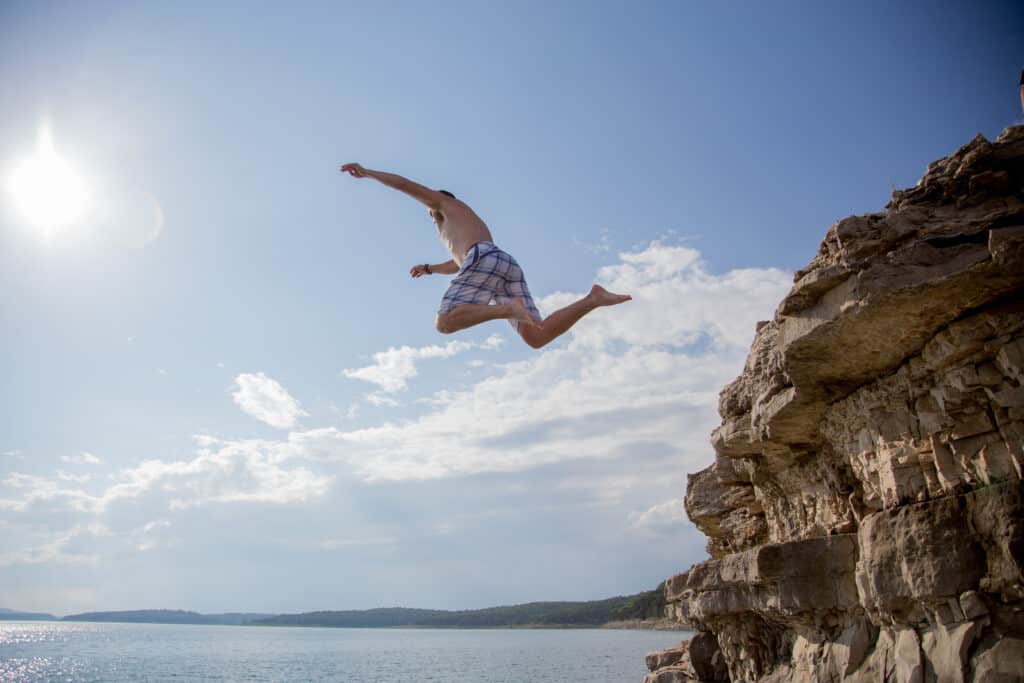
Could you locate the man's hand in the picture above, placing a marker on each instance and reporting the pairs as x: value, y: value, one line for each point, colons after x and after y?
x: 355, y: 170
x: 419, y: 270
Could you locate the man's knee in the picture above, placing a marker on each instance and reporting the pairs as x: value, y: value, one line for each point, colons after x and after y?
x: 443, y: 323
x: 533, y: 336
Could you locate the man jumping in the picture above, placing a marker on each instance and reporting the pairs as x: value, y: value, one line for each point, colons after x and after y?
x: 483, y: 272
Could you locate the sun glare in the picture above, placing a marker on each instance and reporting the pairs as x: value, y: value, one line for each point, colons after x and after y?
x: 48, y: 191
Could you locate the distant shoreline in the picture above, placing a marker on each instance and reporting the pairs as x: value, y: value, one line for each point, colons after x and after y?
x: 642, y: 611
x: 628, y: 625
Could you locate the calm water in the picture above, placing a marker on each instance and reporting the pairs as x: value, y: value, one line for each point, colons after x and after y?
x: 77, y: 652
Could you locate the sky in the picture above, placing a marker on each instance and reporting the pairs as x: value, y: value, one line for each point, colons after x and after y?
x: 222, y: 391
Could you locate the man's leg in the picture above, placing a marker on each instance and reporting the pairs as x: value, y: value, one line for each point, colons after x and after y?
x: 561, y: 320
x: 467, y: 315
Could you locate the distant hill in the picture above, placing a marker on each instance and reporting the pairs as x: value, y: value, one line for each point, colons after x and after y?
x: 167, y: 616
x: 15, y: 615
x: 236, y: 618
x: 648, y: 605
x: 642, y: 606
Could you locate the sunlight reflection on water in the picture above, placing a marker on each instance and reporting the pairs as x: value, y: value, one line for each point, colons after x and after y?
x: 84, y: 653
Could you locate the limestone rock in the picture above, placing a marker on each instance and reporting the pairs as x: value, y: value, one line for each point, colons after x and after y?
x: 946, y: 651
x: 865, y: 508
x: 667, y: 657
x: 907, y: 656
x: 669, y: 674
x: 1003, y: 662
x: 915, y: 557
x: 707, y: 659
x: 699, y: 659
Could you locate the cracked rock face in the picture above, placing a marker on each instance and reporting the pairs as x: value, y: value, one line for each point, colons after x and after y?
x: 865, y: 510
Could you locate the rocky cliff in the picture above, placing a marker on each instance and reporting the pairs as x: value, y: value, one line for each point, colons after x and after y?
x: 865, y: 510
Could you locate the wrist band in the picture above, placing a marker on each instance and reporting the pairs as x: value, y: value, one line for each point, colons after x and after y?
x: 426, y: 267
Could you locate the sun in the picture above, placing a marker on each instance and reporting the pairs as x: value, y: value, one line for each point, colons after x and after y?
x: 48, y: 192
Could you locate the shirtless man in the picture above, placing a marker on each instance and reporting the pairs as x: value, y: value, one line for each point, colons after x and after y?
x: 484, y: 273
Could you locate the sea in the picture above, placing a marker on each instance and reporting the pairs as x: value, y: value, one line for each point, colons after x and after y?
x: 76, y: 652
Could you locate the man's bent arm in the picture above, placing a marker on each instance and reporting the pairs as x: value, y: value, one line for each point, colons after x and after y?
x: 421, y: 193
x: 449, y: 267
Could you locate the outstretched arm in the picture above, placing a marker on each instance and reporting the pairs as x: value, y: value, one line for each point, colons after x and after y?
x: 421, y: 193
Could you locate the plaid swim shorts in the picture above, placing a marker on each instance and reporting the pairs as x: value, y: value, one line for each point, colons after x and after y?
x: 488, y: 274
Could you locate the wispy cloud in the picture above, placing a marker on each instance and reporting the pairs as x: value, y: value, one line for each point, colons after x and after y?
x: 56, y: 548
x: 336, y: 543
x: 603, y: 245
x: 83, y: 458
x: 266, y: 400
x: 147, y: 537
x: 76, y: 478
x: 249, y: 470
x: 671, y: 513
x: 392, y: 369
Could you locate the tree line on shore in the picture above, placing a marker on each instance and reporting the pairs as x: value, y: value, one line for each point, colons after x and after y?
x: 642, y: 606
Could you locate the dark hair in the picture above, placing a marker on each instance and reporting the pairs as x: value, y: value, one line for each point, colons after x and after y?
x: 447, y: 193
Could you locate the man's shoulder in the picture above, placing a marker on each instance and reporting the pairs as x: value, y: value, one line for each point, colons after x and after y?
x: 458, y: 209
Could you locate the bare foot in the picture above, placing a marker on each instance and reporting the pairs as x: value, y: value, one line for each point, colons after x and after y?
x: 602, y: 297
x: 521, y: 313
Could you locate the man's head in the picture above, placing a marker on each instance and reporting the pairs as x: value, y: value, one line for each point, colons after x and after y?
x: 446, y: 192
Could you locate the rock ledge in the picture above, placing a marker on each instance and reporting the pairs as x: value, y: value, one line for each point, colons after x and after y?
x: 865, y: 510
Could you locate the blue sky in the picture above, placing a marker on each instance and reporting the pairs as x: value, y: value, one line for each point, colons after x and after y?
x: 222, y: 389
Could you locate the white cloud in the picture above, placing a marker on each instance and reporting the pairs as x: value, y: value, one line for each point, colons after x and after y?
x: 643, y: 373
x: 495, y: 341
x: 83, y: 458
x: 149, y: 527
x: 392, y: 369
x: 77, y: 478
x: 147, y: 537
x: 670, y: 513
x: 676, y: 302
x: 252, y: 470
x: 266, y: 400
x: 640, y: 378
x: 381, y: 399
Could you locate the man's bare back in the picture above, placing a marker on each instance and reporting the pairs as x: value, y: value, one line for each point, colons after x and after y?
x: 484, y: 273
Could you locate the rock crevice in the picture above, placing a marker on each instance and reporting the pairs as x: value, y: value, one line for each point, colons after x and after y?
x: 865, y: 509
